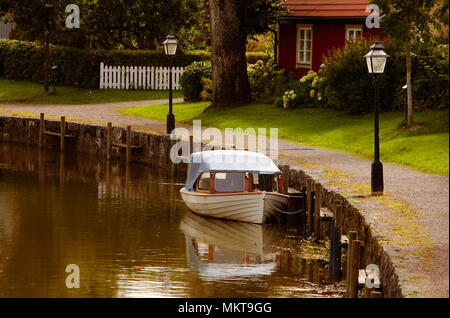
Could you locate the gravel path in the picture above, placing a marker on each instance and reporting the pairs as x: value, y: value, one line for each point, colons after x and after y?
x: 411, y: 219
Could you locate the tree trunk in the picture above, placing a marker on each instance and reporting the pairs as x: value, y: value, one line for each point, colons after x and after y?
x: 47, y: 61
x: 409, y: 87
x: 231, y: 87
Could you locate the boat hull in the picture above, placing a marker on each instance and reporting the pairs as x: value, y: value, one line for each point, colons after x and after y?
x: 253, y: 207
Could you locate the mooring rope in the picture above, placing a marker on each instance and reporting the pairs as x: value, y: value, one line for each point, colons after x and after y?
x: 281, y: 211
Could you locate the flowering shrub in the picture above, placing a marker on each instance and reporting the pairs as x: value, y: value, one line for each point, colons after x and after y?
x: 268, y: 80
x: 207, y: 92
x: 312, y: 89
x: 289, y: 98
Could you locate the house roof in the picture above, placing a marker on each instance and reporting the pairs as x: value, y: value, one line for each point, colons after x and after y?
x: 327, y: 8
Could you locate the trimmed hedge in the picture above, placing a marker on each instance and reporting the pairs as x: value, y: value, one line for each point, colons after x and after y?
x: 20, y: 60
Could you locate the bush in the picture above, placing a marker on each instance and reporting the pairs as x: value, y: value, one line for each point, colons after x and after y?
x: 431, y: 76
x: 192, y: 80
x: 349, y: 88
x: 20, y: 60
x: 253, y: 57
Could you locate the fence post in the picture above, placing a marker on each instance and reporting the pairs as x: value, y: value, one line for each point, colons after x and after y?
x: 139, y: 75
x: 63, y: 133
x: 102, y: 69
x: 152, y: 77
x: 127, y: 77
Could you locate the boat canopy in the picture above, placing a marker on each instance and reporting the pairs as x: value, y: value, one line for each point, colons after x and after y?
x: 227, y: 161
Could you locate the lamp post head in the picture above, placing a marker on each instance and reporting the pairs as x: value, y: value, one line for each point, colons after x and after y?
x: 376, y: 59
x: 170, y: 45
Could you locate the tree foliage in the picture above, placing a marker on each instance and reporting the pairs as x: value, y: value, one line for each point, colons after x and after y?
x: 109, y: 24
x: 406, y: 20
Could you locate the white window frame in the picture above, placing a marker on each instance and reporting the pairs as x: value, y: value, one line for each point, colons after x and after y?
x: 301, y: 55
x: 353, y: 28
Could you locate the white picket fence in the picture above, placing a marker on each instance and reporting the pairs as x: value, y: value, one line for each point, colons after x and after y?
x: 139, y: 77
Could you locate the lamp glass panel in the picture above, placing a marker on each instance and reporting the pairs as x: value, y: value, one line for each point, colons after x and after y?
x: 379, y: 64
x: 369, y: 64
x: 170, y: 47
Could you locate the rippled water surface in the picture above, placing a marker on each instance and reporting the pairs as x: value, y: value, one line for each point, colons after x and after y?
x: 131, y: 235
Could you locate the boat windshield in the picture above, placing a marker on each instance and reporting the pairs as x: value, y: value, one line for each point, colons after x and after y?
x: 204, y: 181
x: 230, y: 182
x: 266, y: 182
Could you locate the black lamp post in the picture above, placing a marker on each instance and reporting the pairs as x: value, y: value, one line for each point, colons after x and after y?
x: 170, y: 48
x: 376, y: 62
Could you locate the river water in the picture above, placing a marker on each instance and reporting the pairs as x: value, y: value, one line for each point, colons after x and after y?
x: 131, y: 235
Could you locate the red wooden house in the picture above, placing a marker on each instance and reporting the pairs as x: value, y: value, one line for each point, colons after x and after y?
x: 314, y: 27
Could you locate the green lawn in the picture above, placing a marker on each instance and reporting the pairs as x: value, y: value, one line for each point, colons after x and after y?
x: 425, y: 149
x: 26, y: 92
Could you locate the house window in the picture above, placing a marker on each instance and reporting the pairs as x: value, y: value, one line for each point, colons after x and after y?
x: 352, y: 32
x: 304, y: 45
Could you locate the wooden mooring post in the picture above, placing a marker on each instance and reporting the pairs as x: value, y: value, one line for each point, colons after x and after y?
x: 376, y: 294
x: 351, y: 237
x: 63, y: 133
x: 303, y: 216
x: 312, y: 208
x: 335, y: 244
x: 41, y: 131
x: 317, y: 206
x: 285, y: 180
x: 285, y: 170
x: 108, y: 141
x: 128, y: 148
x: 309, y: 189
x: 353, y: 282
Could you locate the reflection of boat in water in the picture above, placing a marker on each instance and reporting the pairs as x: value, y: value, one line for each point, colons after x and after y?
x: 234, y: 185
x: 219, y: 249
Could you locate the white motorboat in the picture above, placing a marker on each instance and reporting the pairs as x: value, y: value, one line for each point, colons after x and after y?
x: 234, y: 185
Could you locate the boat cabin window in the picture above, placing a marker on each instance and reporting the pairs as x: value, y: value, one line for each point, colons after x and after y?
x: 230, y: 182
x: 204, y: 181
x: 267, y: 182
